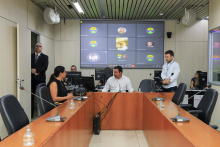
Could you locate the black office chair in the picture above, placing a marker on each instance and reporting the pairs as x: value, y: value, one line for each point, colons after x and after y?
x: 12, y: 114
x: 206, y: 106
x: 44, y: 93
x: 38, y: 101
x: 179, y: 94
x: 147, y: 85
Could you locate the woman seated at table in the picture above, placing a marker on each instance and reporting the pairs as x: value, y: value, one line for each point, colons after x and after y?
x: 195, y: 81
x: 57, y: 88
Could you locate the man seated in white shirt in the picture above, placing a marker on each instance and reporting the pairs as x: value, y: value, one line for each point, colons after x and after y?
x: 118, y: 82
x: 169, y: 80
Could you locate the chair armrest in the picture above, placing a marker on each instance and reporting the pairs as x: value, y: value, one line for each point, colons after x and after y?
x: 195, y: 112
x: 214, y: 126
x: 186, y: 106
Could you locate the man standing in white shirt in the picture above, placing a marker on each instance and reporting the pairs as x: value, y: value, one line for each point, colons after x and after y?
x: 169, y: 80
x: 118, y: 82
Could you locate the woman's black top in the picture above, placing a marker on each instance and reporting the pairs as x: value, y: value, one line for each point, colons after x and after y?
x: 62, y: 91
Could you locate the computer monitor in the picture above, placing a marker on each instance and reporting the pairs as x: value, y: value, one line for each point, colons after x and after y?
x: 103, y: 74
x: 157, y: 73
x: 202, y: 80
x: 73, y: 77
x: 88, y: 83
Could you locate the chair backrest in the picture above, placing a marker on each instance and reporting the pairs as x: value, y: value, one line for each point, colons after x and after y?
x: 40, y: 111
x: 44, y: 93
x: 40, y: 85
x: 207, y: 105
x: 147, y: 85
x: 179, y: 94
x: 12, y: 114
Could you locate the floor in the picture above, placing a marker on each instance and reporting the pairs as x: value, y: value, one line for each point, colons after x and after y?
x: 119, y: 138
x: 35, y: 112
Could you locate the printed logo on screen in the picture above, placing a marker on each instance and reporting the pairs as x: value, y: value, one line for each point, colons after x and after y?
x: 150, y: 57
x: 215, y: 57
x: 150, y: 30
x: 216, y: 31
x: 119, y: 56
x: 93, y: 43
x: 93, y: 30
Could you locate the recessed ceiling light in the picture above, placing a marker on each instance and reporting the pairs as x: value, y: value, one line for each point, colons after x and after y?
x: 161, y: 14
x: 76, y: 4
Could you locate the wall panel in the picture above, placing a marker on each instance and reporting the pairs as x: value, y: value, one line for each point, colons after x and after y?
x: 48, y: 49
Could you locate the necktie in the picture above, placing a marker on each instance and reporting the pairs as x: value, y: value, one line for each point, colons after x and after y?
x: 36, y: 57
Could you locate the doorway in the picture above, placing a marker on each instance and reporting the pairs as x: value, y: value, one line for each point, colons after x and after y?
x: 35, y: 38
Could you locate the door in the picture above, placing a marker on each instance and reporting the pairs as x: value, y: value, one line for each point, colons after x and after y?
x: 24, y: 68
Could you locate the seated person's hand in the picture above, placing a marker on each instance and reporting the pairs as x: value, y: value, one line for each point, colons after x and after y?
x: 69, y: 96
x: 135, y: 91
x: 99, y: 90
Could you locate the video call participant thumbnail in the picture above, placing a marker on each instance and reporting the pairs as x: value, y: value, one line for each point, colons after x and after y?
x: 121, y: 44
x: 150, y: 44
x: 93, y: 57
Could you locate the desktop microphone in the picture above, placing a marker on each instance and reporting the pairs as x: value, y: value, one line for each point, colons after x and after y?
x: 66, y: 81
x: 158, y: 98
x: 56, y: 118
x: 119, y: 87
x: 179, y: 118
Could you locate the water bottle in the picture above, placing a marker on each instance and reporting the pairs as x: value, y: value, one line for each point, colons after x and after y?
x: 28, y: 139
x: 72, y: 104
x: 161, y: 105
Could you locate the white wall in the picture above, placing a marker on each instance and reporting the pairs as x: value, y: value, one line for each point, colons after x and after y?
x: 28, y: 15
x: 190, y: 45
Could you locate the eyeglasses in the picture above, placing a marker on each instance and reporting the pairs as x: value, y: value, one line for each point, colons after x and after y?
x: 38, y: 46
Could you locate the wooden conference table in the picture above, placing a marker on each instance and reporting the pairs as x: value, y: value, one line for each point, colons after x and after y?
x: 130, y: 111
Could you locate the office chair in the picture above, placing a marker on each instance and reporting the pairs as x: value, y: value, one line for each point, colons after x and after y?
x: 179, y: 94
x: 44, y: 93
x: 12, y: 114
x: 206, y: 106
x: 147, y: 85
x: 36, y: 92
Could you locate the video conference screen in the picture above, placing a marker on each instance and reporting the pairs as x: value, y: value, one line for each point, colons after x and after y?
x: 133, y: 44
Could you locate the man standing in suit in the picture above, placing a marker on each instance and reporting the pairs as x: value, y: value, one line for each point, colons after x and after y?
x: 39, y: 64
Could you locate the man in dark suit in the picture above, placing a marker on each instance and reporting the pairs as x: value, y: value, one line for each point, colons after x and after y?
x: 39, y: 64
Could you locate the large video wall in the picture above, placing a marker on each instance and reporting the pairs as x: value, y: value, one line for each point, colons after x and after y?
x: 133, y: 44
